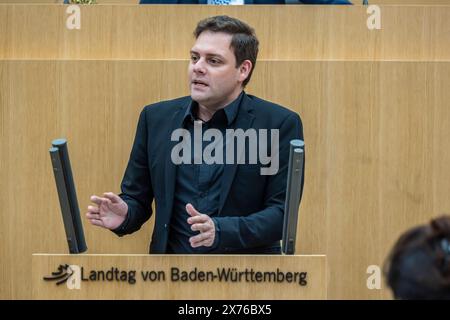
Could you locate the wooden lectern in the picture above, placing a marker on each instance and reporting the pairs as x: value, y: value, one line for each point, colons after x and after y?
x: 179, y: 277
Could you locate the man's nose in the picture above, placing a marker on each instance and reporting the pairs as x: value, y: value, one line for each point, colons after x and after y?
x: 199, y: 66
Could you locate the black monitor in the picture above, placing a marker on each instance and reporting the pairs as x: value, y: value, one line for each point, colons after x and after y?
x: 67, y: 196
x: 293, y: 194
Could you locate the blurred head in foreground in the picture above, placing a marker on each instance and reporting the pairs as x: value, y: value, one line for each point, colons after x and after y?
x: 418, y: 267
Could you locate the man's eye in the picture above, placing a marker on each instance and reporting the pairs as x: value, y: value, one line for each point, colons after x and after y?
x: 214, y: 61
x: 194, y: 58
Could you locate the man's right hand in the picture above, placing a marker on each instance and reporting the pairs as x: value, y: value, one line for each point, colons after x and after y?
x: 110, y: 211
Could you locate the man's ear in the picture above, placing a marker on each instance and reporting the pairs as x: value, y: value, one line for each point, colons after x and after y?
x: 244, y: 70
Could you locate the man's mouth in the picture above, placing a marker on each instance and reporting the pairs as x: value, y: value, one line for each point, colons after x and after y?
x: 199, y: 83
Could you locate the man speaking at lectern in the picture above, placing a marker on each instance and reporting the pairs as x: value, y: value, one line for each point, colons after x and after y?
x: 205, y: 206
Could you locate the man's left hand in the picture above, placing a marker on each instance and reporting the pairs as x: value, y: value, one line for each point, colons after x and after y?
x: 204, y: 224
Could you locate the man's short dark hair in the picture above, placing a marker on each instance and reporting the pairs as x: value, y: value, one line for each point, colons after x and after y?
x: 243, y: 42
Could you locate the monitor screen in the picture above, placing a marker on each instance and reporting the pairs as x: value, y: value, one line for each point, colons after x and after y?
x: 67, y: 196
x: 293, y: 195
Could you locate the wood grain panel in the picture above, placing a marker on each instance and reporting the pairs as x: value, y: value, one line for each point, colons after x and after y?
x: 376, y: 139
x: 285, y: 32
x: 355, y: 2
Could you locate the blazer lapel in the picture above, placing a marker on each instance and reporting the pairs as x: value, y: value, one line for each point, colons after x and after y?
x: 170, y: 168
x: 243, y: 121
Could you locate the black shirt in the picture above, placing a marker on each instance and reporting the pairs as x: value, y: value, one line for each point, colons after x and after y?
x: 199, y: 184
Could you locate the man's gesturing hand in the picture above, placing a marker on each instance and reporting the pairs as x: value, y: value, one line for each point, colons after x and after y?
x: 204, y: 224
x: 110, y: 211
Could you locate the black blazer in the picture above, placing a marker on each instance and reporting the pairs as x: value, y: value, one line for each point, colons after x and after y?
x: 251, y: 205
